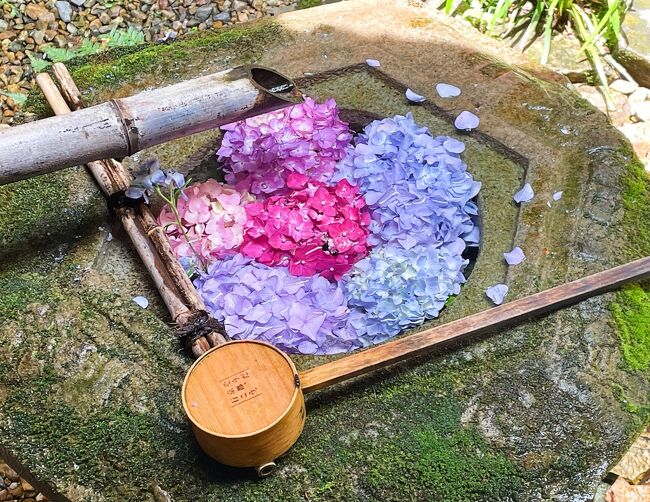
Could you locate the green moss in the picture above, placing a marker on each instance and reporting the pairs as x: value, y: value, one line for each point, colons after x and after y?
x: 305, y: 4
x: 117, y: 66
x: 27, y: 203
x: 450, y: 462
x: 632, y: 316
x: 19, y: 290
x: 636, y: 202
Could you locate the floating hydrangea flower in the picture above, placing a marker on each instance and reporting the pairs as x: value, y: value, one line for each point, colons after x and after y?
x: 260, y: 153
x: 514, y: 257
x: 466, y: 121
x: 296, y: 314
x: 417, y: 186
x: 497, y: 293
x: 316, y: 228
x: 212, y: 217
x: 394, y: 289
x: 447, y: 90
x: 526, y: 194
x: 148, y: 176
x: 414, y: 97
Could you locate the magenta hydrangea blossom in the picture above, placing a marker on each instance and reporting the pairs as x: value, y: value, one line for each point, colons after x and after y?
x: 314, y: 229
x: 260, y: 153
x: 212, y: 217
x: 297, y: 314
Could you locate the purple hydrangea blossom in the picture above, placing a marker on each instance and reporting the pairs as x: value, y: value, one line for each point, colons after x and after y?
x: 394, y: 288
x: 259, y: 153
x: 416, y: 185
x: 297, y: 314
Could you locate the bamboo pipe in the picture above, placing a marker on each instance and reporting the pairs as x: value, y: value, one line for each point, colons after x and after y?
x: 473, y: 325
x: 125, y: 126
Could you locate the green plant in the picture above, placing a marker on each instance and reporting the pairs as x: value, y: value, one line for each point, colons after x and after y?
x: 116, y: 38
x: 18, y: 97
x: 596, y: 23
x: 123, y: 38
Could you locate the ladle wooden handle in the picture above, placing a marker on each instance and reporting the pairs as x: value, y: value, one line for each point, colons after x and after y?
x: 476, y: 324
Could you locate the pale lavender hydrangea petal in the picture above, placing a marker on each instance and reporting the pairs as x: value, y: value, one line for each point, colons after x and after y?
x: 497, y: 293
x: 141, y: 301
x: 526, y: 194
x: 466, y: 121
x: 514, y: 257
x: 373, y: 63
x: 414, y: 97
x: 447, y: 90
x: 307, y: 315
x: 557, y: 196
x: 417, y: 186
x: 394, y: 288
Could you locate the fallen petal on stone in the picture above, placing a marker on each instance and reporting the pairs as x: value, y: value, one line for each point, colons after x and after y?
x: 141, y: 301
x: 514, y: 257
x: 497, y: 293
x: 525, y: 194
x: 373, y: 63
x: 414, y: 97
x: 466, y: 121
x: 447, y: 90
x: 557, y: 195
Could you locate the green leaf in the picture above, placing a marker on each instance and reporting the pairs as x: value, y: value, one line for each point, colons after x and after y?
x: 39, y: 65
x: 18, y: 97
x: 548, y: 30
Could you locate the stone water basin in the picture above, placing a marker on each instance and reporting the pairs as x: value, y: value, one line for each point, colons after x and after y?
x: 90, y: 382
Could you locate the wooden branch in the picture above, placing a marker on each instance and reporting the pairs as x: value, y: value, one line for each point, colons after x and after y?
x: 483, y: 322
x: 68, y: 86
x: 125, y: 126
x: 120, y: 180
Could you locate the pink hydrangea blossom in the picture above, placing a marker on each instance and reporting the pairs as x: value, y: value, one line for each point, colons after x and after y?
x: 213, y: 218
x: 260, y: 153
x: 313, y: 229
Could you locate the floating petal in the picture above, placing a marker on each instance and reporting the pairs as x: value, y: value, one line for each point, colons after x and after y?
x: 141, y: 301
x: 514, y: 257
x: 526, y: 194
x: 373, y: 63
x: 497, y: 293
x: 414, y: 97
x: 557, y: 195
x: 466, y: 121
x: 447, y: 90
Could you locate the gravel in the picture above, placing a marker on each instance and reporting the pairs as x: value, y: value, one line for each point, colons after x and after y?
x: 28, y: 26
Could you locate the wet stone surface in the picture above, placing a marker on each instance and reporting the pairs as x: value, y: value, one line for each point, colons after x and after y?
x: 90, y: 382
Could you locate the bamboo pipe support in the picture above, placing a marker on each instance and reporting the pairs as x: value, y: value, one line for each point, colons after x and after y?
x: 147, y: 236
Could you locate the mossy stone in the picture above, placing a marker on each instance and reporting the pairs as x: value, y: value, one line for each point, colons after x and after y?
x: 90, y: 382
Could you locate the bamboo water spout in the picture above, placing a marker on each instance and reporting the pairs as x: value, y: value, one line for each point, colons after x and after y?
x: 122, y: 127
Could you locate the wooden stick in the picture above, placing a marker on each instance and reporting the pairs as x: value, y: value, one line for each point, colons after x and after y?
x: 125, y: 126
x: 68, y: 86
x: 483, y: 322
